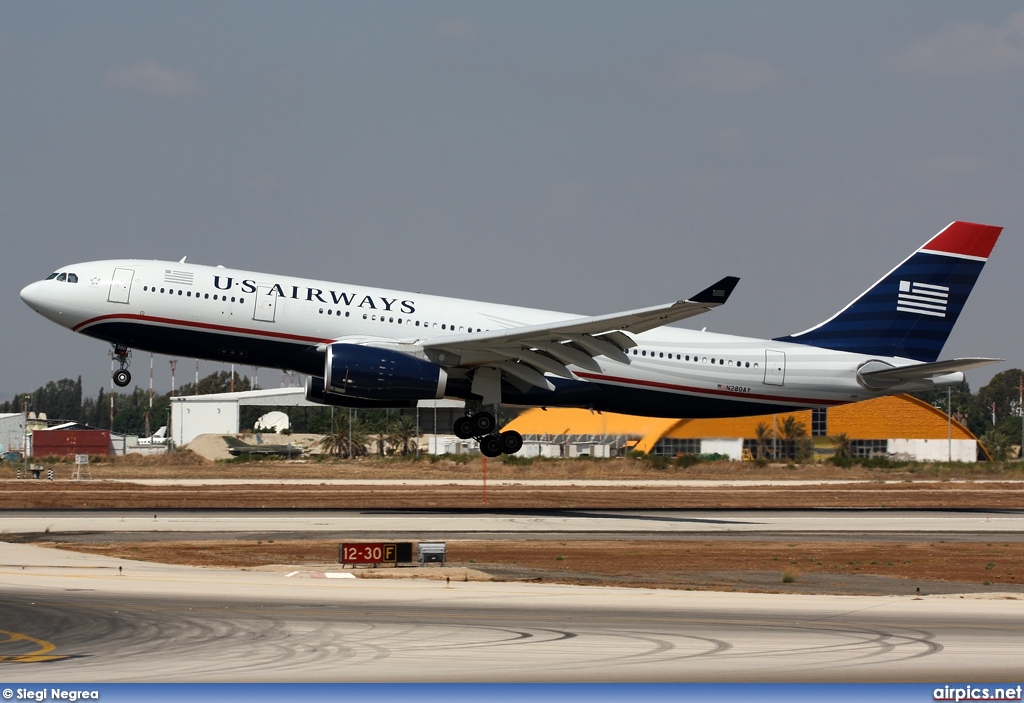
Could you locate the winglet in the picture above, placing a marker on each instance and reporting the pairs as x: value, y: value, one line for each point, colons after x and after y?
x: 716, y: 293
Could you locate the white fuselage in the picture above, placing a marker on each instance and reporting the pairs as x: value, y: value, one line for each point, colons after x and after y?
x: 285, y: 322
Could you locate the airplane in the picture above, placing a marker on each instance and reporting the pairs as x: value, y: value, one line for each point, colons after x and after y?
x: 158, y: 437
x: 364, y: 347
x: 237, y: 447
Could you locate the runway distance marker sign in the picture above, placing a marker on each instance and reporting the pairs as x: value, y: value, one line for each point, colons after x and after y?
x: 374, y: 552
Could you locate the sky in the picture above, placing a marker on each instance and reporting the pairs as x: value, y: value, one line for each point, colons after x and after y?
x: 582, y: 156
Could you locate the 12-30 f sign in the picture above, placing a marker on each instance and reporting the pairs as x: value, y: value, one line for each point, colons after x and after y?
x: 369, y: 553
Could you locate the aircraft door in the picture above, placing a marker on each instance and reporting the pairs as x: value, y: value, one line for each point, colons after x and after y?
x: 266, y: 305
x: 120, y: 285
x: 774, y: 367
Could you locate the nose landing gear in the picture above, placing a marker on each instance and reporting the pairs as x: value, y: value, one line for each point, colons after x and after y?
x: 481, y: 426
x: 124, y: 359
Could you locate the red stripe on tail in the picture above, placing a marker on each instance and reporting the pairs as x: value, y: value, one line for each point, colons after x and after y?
x: 965, y: 239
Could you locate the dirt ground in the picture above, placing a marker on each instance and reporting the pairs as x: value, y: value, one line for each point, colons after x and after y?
x: 750, y: 565
x: 865, y: 568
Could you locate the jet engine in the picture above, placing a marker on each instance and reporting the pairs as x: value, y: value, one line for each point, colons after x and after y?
x: 315, y: 394
x: 370, y: 373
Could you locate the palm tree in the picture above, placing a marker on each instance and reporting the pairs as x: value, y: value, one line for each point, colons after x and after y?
x: 342, y: 433
x: 997, y: 444
x: 792, y: 431
x: 842, y: 445
x: 379, y: 424
x: 762, y: 433
x: 402, y: 434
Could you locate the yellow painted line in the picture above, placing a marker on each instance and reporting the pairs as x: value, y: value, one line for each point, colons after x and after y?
x: 40, y: 655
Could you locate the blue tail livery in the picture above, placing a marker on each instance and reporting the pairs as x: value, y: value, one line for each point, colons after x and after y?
x: 910, y: 312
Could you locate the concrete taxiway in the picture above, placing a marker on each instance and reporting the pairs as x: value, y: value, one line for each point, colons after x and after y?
x: 75, y: 617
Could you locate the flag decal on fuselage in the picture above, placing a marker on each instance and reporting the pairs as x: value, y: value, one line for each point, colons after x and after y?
x: 922, y: 298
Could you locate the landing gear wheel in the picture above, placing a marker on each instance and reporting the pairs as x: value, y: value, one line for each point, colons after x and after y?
x: 490, y: 446
x: 511, y: 441
x: 463, y: 428
x: 483, y: 423
x: 124, y: 359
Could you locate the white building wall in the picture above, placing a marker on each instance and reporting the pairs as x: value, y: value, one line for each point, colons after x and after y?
x: 935, y: 449
x: 589, y: 449
x: 549, y: 450
x: 189, y: 419
x: 12, y: 431
x: 732, y: 448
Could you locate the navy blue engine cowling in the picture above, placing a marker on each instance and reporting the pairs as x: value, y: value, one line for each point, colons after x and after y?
x: 315, y: 394
x: 355, y: 371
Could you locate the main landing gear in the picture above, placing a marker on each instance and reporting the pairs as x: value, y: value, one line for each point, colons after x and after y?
x: 482, y: 426
x: 124, y: 359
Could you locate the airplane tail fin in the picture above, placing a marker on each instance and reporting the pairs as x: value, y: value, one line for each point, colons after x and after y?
x: 912, y: 309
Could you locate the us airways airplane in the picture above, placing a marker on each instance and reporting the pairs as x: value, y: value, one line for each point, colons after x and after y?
x: 368, y: 348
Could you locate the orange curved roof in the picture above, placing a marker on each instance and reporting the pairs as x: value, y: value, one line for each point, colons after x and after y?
x: 563, y: 421
x: 889, y: 417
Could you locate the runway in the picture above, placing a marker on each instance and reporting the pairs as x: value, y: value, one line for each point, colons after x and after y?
x: 580, y: 524
x: 77, y: 619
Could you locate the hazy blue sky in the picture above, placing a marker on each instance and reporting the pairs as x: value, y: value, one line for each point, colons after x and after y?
x: 585, y: 156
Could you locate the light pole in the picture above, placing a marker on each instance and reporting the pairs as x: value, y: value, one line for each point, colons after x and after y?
x: 26, y: 401
x: 949, y: 423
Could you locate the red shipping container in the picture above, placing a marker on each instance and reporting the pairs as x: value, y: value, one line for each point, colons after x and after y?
x: 70, y: 442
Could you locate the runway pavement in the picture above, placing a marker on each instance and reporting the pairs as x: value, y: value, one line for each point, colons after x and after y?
x: 74, y: 617
x: 665, y: 523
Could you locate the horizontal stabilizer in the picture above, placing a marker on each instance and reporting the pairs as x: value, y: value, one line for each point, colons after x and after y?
x: 892, y: 376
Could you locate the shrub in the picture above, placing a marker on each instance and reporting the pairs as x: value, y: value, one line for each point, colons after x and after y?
x: 686, y: 460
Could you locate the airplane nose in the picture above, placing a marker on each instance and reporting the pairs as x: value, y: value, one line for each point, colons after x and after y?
x: 31, y: 295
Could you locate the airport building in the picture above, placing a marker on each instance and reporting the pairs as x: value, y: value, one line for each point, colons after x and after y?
x: 897, y: 426
x: 220, y: 413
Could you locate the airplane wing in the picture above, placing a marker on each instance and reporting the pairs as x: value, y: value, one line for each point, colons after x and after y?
x: 524, y: 354
x: 891, y: 376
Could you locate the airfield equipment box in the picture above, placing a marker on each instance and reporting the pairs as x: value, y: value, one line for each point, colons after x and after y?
x: 431, y: 552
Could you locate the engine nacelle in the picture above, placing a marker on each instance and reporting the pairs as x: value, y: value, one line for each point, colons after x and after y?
x: 369, y: 373
x: 315, y: 394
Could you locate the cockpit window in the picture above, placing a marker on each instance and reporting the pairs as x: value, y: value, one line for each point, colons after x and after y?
x: 62, y: 277
x: 51, y: 276
x: 72, y: 278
